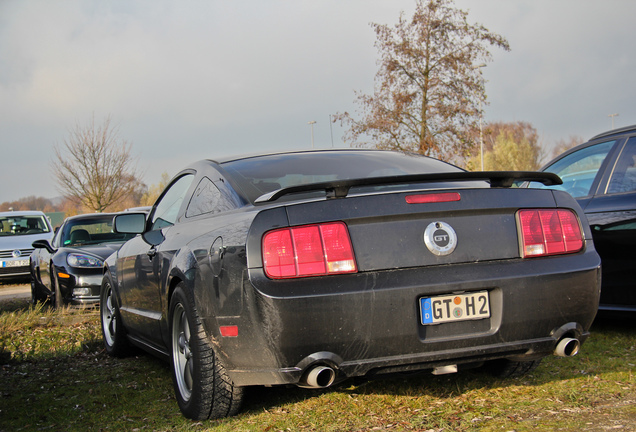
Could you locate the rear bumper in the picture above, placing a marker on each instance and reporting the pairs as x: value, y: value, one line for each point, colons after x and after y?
x: 521, y: 350
x: 369, y: 323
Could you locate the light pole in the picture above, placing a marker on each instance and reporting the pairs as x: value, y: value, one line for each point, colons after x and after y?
x: 612, y: 117
x: 481, y: 133
x: 331, y: 130
x: 312, y: 123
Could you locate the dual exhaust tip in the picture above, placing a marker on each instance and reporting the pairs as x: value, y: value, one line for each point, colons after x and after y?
x: 323, y: 376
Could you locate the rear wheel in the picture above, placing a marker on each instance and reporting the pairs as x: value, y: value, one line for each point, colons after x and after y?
x: 202, y: 387
x: 112, y: 329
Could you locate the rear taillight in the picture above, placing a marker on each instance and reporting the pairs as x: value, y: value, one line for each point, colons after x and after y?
x: 310, y: 250
x: 549, y: 232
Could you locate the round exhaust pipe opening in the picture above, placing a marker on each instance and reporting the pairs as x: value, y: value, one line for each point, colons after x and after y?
x: 321, y: 376
x: 567, y: 347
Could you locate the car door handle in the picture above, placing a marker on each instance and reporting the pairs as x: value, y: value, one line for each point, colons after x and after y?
x: 151, y: 252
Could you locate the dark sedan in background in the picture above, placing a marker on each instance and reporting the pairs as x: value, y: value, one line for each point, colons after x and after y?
x: 68, y: 270
x: 307, y: 268
x: 601, y: 175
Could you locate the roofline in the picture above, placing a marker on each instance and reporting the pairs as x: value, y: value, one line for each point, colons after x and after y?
x: 22, y: 212
x: 618, y: 131
x: 88, y: 215
x: 233, y: 158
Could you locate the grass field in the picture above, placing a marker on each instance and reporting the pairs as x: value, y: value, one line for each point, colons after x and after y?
x: 55, y: 376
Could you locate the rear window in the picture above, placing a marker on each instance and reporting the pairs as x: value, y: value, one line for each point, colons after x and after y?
x: 260, y: 175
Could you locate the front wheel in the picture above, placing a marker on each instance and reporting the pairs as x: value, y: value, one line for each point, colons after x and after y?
x: 36, y: 293
x: 113, y: 331
x: 58, y: 300
x: 202, y: 387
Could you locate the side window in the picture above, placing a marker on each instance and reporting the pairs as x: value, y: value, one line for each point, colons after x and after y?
x: 578, y: 170
x: 624, y: 175
x: 207, y: 198
x: 55, y: 242
x: 167, y: 209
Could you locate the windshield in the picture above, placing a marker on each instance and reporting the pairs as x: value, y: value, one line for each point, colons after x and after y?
x: 23, y: 225
x: 260, y: 175
x: 94, y: 230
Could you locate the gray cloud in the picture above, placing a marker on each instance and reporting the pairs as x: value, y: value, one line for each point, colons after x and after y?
x: 186, y: 81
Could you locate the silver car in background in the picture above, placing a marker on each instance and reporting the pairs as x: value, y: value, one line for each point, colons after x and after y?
x: 18, y: 230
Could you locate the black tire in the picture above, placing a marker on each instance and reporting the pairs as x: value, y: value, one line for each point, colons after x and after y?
x: 504, y: 368
x: 36, y: 293
x: 58, y: 300
x: 113, y: 332
x: 202, y: 387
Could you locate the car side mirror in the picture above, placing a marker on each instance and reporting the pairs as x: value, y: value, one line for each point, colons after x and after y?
x: 130, y: 223
x: 43, y: 244
x: 153, y: 238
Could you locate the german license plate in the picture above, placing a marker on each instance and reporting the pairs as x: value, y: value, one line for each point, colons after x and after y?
x: 454, y: 307
x: 18, y: 263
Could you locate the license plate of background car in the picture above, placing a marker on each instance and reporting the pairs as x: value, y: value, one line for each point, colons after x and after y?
x: 454, y: 307
x: 19, y: 263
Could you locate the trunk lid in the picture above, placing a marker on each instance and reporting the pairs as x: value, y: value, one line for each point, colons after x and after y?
x: 388, y: 233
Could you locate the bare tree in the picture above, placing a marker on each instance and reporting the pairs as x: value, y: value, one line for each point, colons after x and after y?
x: 95, y: 167
x: 428, y: 89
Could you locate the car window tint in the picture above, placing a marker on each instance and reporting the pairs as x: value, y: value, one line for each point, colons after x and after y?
x: 260, y: 175
x: 96, y: 229
x: 624, y: 176
x: 56, y: 242
x: 167, y: 209
x: 23, y: 225
x: 208, y: 198
x: 578, y: 170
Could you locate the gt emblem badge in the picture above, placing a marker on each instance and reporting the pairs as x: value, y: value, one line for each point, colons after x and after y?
x: 440, y: 238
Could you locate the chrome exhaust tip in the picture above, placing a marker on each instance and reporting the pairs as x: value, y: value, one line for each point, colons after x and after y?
x: 567, y: 347
x: 320, y: 377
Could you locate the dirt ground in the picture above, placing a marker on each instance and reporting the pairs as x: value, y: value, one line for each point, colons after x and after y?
x: 14, y: 284
x: 14, y: 289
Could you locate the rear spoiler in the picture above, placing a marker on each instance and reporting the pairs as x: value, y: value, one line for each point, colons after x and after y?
x: 340, y: 188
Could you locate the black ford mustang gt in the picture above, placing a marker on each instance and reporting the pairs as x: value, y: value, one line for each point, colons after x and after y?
x: 310, y: 267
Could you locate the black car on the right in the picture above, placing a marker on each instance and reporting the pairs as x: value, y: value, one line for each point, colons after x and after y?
x: 601, y: 175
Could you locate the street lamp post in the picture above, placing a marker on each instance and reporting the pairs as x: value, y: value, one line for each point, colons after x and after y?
x: 612, y: 117
x: 481, y: 139
x: 481, y: 132
x: 312, y: 123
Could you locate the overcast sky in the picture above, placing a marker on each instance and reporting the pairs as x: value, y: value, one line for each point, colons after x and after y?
x: 189, y: 80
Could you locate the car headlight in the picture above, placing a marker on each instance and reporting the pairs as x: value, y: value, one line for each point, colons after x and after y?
x: 83, y: 261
